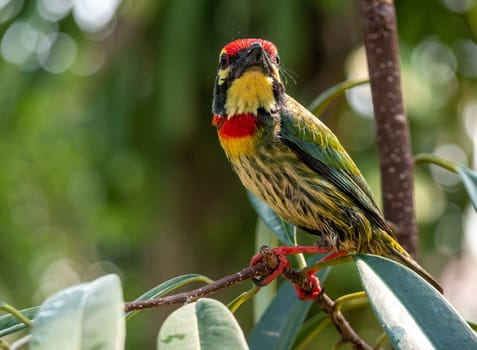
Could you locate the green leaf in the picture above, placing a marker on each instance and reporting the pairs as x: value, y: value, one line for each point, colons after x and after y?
x: 10, y: 324
x: 85, y: 316
x: 413, y: 313
x: 264, y: 236
x: 203, y: 325
x: 310, y: 330
x: 284, y: 231
x: 323, y: 100
x: 469, y: 178
x: 280, y: 323
x: 167, y: 287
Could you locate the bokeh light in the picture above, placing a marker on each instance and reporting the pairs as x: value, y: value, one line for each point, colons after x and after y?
x: 19, y: 43
x: 93, y: 15
x: 470, y: 228
x: 466, y: 53
x: 54, y: 10
x: 37, y: 43
x: 61, y: 53
x: 435, y: 61
x: 9, y: 9
x: 359, y: 98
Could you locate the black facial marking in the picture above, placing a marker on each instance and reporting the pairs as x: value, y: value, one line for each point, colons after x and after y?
x: 224, y: 61
x: 253, y: 56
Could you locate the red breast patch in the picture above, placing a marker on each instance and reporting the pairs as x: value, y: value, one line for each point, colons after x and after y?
x: 240, y: 125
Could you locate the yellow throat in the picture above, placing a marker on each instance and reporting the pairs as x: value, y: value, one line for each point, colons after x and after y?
x: 251, y: 91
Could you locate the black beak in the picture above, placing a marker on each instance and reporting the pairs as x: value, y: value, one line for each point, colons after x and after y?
x: 254, y: 56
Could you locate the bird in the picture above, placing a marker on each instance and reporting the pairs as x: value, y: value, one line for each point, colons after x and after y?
x: 288, y: 158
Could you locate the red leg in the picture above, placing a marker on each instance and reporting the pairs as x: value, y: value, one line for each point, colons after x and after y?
x: 282, y: 252
x: 333, y: 255
x: 314, y: 281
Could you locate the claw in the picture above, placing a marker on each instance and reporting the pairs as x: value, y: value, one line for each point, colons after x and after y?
x: 258, y: 282
x: 314, y: 288
x: 280, y: 263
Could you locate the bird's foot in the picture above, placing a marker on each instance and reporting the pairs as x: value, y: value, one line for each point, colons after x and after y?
x: 277, y: 258
x: 312, y: 290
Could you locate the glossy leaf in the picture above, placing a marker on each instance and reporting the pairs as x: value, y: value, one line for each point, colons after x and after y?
x: 413, y: 313
x: 284, y: 231
x: 469, y: 178
x: 10, y: 324
x: 205, y: 324
x: 280, y: 323
x: 85, y: 316
x: 168, y: 286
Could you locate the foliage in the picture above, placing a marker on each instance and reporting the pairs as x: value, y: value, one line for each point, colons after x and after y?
x: 413, y: 314
x: 468, y: 177
x: 205, y: 324
x: 88, y: 316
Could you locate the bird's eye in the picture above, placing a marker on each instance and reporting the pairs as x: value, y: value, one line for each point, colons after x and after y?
x: 224, y: 60
x: 277, y: 59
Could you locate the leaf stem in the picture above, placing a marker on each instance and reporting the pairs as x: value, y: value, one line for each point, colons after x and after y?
x: 11, y: 310
x: 332, y: 262
x: 436, y: 160
x: 242, y: 298
x: 380, y: 341
x: 323, y: 100
x: 355, y: 299
x: 4, y: 345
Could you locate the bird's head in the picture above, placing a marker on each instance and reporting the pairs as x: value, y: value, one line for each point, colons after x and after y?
x: 248, y: 78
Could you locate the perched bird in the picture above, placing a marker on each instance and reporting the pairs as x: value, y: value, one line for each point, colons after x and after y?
x: 289, y: 159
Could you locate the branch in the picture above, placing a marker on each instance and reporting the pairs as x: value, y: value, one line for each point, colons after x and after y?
x: 261, y: 269
x: 348, y: 334
x: 394, y: 145
x: 267, y: 265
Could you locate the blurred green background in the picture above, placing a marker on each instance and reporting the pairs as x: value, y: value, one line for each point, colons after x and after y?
x: 109, y: 162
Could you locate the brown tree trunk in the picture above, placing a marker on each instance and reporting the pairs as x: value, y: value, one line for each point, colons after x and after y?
x: 394, y: 146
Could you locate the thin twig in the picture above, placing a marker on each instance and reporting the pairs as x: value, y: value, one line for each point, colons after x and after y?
x: 261, y: 269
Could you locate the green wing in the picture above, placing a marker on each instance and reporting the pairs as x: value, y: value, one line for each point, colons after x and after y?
x: 316, y: 146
